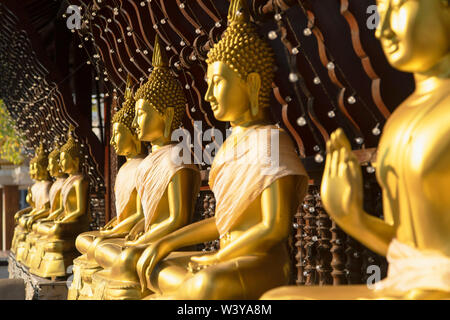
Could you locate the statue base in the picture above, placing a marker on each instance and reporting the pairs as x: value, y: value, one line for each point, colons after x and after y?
x: 106, y: 288
x: 37, y: 288
x: 53, y: 257
x: 83, y: 270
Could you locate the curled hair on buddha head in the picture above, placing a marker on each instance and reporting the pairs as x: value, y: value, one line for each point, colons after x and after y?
x: 162, y: 90
x: 71, y: 147
x: 244, y: 51
x: 126, y: 114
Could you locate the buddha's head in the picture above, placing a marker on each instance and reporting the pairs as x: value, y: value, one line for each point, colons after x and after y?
x: 40, y: 164
x: 414, y: 33
x: 69, y: 157
x: 124, y: 138
x: 160, y: 102
x: 54, y: 167
x: 240, y: 69
x: 32, y: 168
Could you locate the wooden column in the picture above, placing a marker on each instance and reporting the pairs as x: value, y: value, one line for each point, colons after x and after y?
x: 10, y: 204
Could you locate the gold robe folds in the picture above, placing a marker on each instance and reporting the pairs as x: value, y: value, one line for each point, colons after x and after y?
x: 54, y: 189
x: 246, y: 164
x: 34, y: 236
x: 152, y: 179
x: 40, y: 196
x: 250, y: 161
x: 40, y: 193
x: 410, y: 268
x: 153, y: 176
x: 124, y: 185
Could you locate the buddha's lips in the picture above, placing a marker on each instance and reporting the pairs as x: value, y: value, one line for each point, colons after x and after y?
x: 391, y: 45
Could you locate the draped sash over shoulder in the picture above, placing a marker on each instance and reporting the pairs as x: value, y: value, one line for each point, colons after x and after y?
x: 125, y: 184
x: 56, y: 186
x: 153, y: 176
x: 67, y: 185
x: 248, y: 162
x: 40, y: 193
x: 411, y: 268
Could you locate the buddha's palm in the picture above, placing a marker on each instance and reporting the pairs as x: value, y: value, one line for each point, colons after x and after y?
x: 342, y: 183
x: 147, y: 262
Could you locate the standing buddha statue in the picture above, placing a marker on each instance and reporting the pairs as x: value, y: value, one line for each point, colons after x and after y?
x: 41, y: 199
x: 256, y: 193
x: 412, y: 167
x: 54, y: 193
x: 166, y: 188
x: 55, y: 249
x: 126, y: 143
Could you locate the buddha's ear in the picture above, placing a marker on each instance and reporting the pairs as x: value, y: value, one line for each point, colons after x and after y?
x: 168, y: 118
x: 254, y: 85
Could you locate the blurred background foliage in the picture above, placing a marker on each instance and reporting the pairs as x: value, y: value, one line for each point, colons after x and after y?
x: 10, y: 142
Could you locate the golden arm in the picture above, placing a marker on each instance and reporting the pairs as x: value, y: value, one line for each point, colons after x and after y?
x: 38, y: 214
x: 180, y: 198
x: 277, y: 208
x: 127, y: 224
x: 342, y: 196
x: 195, y: 233
x: 22, y: 212
x: 81, y: 189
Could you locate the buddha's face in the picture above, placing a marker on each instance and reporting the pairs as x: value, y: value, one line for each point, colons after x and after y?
x: 68, y: 164
x: 32, y: 171
x: 414, y: 33
x: 227, y: 92
x: 123, y: 140
x: 41, y: 172
x: 53, y: 167
x: 149, y: 124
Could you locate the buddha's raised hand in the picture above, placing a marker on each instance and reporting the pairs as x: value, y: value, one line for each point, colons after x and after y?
x: 342, y: 182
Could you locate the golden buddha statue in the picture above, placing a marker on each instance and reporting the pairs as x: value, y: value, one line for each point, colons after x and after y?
x: 27, y: 210
x: 54, y: 193
x: 126, y: 143
x: 41, y: 200
x: 412, y: 167
x: 257, y: 179
x: 167, y: 189
x: 55, y: 249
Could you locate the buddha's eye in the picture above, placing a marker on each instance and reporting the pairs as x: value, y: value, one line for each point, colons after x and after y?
x: 217, y: 80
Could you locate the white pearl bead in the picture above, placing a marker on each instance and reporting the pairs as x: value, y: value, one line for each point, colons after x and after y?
x: 293, y: 77
x: 351, y: 100
x: 301, y: 121
x: 272, y: 35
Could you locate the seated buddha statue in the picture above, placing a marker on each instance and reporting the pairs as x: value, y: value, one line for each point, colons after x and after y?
x: 166, y: 188
x: 55, y: 249
x: 257, y: 179
x: 27, y: 210
x: 412, y: 167
x: 55, y: 204
x: 125, y: 142
x: 40, y: 192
